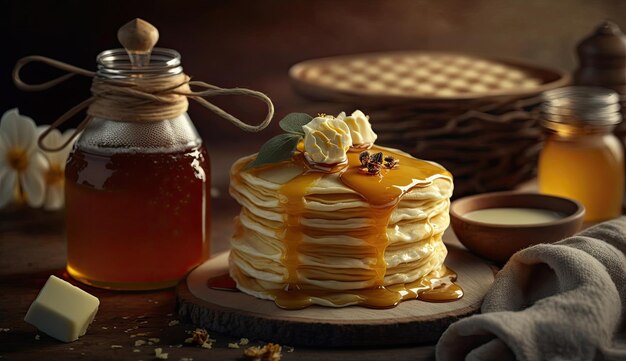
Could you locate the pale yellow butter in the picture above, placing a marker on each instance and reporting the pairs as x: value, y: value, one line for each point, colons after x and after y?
x: 62, y: 310
x: 326, y: 140
x: 360, y: 128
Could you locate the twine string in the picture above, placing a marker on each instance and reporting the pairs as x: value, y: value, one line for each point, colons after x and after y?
x: 136, y: 100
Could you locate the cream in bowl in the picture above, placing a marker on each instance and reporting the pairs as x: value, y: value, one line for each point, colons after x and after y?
x: 496, y: 225
x: 514, y: 216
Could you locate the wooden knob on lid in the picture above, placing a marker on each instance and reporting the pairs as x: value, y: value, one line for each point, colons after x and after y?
x: 602, y: 58
x: 603, y: 45
x: 138, y: 37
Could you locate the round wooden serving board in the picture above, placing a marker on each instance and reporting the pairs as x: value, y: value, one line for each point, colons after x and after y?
x: 411, y: 322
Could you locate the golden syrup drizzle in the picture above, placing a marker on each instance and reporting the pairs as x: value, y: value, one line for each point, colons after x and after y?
x: 222, y: 283
x: 437, y: 286
x: 293, y: 203
x: 377, y: 238
x: 382, y: 192
x: 386, y: 190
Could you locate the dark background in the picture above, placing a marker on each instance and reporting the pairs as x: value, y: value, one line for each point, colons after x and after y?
x: 253, y: 43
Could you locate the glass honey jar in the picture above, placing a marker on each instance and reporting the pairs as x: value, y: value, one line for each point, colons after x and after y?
x: 581, y: 157
x: 137, y: 193
x: 137, y: 181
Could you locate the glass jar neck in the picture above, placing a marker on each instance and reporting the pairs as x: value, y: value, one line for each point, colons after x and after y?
x: 580, y: 111
x: 571, y: 130
x: 116, y: 64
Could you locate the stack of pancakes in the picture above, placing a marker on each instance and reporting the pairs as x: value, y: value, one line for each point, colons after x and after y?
x: 334, y: 244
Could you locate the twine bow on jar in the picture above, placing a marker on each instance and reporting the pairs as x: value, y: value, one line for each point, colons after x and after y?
x: 138, y: 99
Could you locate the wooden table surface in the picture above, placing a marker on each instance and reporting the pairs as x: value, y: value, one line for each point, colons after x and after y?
x: 32, y: 247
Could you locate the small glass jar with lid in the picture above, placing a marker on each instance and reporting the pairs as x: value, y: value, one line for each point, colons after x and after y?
x: 581, y: 157
x: 137, y: 192
x: 137, y: 182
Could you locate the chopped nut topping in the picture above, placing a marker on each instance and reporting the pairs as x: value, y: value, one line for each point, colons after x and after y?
x: 140, y: 343
x: 364, y: 158
x: 244, y: 341
x: 377, y: 158
x: 391, y: 162
x: 233, y: 345
x: 117, y: 346
x: 372, y: 164
x: 373, y: 168
x: 269, y: 352
x: 173, y: 323
x: 200, y: 337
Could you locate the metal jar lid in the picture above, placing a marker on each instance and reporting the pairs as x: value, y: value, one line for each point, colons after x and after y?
x: 581, y: 105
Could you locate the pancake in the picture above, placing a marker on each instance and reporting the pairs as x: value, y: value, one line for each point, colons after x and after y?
x: 340, y: 237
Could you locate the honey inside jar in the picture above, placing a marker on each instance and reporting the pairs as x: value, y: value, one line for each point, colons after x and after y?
x: 581, y: 158
x: 590, y: 170
x: 137, y: 220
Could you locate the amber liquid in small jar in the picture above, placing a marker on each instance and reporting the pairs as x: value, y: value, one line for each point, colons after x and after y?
x: 581, y: 158
x: 586, y: 167
x: 137, y: 189
x: 137, y: 221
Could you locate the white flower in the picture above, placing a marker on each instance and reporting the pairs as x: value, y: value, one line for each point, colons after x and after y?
x: 360, y: 128
x: 21, y: 164
x: 54, y: 173
x: 326, y: 140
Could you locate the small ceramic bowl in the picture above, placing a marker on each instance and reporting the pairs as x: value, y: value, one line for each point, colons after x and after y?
x: 498, y: 242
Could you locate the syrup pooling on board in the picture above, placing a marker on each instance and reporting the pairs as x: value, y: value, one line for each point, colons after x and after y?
x: 382, y: 193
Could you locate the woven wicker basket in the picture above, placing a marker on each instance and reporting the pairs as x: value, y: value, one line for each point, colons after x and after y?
x: 474, y: 115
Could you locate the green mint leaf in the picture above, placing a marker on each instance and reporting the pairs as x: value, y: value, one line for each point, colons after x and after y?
x: 293, y: 122
x: 275, y: 150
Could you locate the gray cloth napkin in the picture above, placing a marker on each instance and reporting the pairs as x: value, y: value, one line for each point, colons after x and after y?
x: 561, y: 301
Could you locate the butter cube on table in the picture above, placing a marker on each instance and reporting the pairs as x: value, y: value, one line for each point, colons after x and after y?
x: 62, y: 310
